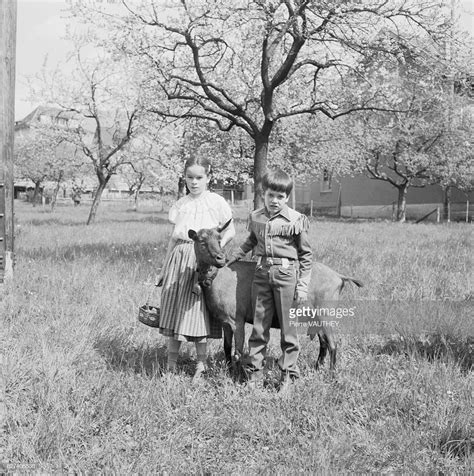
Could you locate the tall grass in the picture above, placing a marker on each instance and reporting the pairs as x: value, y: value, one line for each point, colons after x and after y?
x: 85, y: 391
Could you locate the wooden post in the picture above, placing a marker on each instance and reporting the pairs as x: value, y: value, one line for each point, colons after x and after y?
x: 311, y: 208
x: 293, y: 195
x: 8, y: 10
x: 232, y: 197
x: 438, y: 214
x: 467, y: 211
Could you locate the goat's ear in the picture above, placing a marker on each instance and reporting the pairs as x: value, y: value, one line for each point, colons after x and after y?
x: 192, y: 234
x: 224, y: 226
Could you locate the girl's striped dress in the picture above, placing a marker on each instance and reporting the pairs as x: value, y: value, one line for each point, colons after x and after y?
x: 183, y: 315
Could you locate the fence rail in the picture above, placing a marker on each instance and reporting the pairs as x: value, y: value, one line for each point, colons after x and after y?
x: 461, y: 211
x: 427, y: 215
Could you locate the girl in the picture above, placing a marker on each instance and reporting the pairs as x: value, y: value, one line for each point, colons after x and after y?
x: 183, y: 314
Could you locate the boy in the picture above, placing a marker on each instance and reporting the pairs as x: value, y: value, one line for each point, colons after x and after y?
x: 278, y: 234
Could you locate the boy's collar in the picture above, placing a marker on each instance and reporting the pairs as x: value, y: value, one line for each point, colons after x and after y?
x: 284, y: 212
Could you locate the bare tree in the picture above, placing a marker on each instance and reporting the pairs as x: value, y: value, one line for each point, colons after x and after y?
x: 101, y: 92
x: 250, y: 63
x: 423, y: 144
x: 146, y: 164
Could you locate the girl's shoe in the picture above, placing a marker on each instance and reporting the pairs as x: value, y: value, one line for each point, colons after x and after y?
x: 200, y: 369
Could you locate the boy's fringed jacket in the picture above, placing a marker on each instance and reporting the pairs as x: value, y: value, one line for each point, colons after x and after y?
x: 283, y: 235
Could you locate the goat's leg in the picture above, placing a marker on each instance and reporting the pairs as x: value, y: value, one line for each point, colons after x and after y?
x: 239, y: 340
x: 239, y: 347
x: 323, y: 350
x: 332, y: 348
x: 228, y: 336
x: 323, y: 347
x: 333, y: 355
x: 327, y: 344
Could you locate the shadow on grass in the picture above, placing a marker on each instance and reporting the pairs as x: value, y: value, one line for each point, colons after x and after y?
x: 457, y: 349
x: 121, y: 356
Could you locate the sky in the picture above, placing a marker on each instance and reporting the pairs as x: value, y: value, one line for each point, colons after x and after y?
x: 41, y: 28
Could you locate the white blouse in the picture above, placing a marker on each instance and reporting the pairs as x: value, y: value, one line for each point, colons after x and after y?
x: 206, y: 211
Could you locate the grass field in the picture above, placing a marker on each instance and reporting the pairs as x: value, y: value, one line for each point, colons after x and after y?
x: 84, y: 391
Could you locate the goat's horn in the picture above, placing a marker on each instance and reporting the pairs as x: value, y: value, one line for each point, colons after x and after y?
x: 224, y: 226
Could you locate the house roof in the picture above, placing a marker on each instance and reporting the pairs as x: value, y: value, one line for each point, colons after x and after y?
x: 34, y: 116
x: 113, y: 125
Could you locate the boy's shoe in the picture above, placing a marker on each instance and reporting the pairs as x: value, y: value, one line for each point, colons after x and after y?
x: 255, y: 379
x: 286, y: 382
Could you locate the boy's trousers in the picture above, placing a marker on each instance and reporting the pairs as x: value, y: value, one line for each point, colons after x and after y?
x: 273, y: 292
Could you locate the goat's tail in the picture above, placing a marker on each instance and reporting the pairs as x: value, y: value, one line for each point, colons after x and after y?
x: 349, y: 279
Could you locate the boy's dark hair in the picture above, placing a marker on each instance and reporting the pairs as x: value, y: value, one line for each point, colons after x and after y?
x: 276, y: 179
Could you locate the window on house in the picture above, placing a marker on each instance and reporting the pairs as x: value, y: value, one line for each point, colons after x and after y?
x: 326, y: 181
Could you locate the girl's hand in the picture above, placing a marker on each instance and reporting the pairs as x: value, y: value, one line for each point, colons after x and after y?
x: 159, y: 280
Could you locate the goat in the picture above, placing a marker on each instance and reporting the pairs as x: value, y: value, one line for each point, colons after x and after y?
x: 227, y: 292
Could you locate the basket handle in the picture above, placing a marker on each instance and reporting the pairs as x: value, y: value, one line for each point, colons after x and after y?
x: 160, y: 282
x: 150, y: 293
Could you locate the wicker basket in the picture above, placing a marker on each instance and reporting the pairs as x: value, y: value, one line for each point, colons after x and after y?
x: 149, y: 315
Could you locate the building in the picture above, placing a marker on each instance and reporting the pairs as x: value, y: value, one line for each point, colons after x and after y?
x: 362, y: 197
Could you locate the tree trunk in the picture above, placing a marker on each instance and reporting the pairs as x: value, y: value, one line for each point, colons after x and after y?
x: 259, y: 167
x: 55, y: 193
x: 293, y: 193
x: 97, y: 198
x: 402, y: 203
x: 447, y: 203
x: 140, y: 182
x: 36, y: 193
x: 339, y: 201
x: 135, y: 199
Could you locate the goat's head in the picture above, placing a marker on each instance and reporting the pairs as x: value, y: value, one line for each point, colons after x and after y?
x: 207, y: 245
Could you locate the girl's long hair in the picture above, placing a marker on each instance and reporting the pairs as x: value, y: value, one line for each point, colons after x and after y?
x: 202, y: 161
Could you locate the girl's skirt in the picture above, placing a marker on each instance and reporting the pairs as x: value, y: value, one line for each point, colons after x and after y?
x: 183, y: 315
